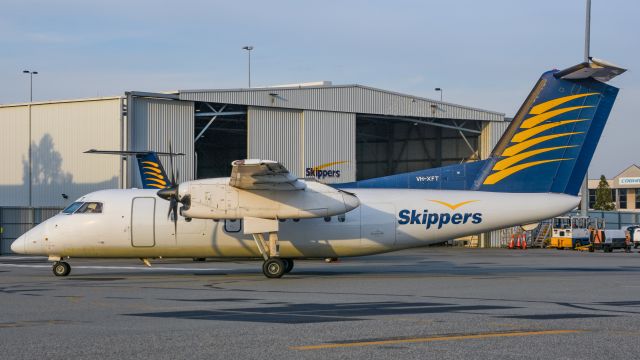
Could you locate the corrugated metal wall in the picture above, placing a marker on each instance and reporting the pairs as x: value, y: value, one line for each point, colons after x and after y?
x: 60, y: 133
x: 276, y: 134
x: 14, y: 147
x: 491, y: 133
x: 152, y: 124
x: 301, y: 140
x: 347, y: 98
x: 330, y: 137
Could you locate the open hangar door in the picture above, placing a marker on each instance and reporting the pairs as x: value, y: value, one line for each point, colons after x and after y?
x: 220, y: 137
x: 388, y: 145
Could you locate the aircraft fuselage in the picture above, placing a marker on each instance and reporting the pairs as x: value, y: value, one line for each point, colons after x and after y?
x: 134, y: 224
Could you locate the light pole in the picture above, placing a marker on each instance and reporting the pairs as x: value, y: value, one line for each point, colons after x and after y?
x: 440, y: 90
x: 249, y: 48
x: 584, y: 201
x: 31, y: 73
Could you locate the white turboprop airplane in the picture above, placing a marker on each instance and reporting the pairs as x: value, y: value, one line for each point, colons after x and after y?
x: 534, y: 173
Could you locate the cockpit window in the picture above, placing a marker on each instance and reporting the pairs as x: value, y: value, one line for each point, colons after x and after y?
x: 90, y: 208
x: 72, y: 208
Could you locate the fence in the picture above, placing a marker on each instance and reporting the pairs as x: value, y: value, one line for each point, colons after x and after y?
x: 15, y: 221
x: 613, y: 220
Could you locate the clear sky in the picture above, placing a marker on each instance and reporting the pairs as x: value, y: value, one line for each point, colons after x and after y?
x: 486, y: 54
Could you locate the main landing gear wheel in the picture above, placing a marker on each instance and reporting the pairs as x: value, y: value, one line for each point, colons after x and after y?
x: 61, y: 268
x: 273, y: 268
x: 288, y: 265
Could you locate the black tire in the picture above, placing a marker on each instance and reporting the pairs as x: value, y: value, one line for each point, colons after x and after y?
x: 61, y: 268
x: 273, y: 268
x: 288, y: 265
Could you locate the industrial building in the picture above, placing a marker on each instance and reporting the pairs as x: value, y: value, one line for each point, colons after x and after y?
x: 625, y: 189
x: 353, y: 131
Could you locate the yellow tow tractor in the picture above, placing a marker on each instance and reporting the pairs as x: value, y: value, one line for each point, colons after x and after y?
x: 573, y: 232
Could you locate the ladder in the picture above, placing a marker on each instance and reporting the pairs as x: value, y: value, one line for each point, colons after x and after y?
x: 543, y: 233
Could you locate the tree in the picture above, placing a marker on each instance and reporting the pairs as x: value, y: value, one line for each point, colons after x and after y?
x: 603, y: 196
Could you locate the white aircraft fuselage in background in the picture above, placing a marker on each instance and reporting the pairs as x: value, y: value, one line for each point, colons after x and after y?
x: 386, y: 220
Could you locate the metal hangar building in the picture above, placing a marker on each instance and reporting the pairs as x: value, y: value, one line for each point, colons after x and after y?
x: 352, y: 132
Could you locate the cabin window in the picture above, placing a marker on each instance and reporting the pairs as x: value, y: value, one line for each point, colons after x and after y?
x: 72, y: 208
x: 90, y: 208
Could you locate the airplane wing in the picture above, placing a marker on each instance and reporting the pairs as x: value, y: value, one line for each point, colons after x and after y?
x: 255, y: 174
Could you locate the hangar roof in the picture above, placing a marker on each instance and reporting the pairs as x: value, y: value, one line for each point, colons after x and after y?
x: 342, y: 98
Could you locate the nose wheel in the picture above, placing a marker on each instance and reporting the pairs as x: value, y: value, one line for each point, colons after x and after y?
x: 61, y: 268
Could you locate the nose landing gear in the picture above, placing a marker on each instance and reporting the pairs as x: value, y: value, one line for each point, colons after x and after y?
x: 61, y: 268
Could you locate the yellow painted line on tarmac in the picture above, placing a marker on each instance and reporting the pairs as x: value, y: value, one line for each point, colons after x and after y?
x: 434, y: 338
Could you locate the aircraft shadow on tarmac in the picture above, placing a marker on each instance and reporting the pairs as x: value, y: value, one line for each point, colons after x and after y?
x: 317, y: 313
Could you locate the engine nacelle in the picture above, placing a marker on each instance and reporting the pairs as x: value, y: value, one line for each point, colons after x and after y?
x: 216, y: 199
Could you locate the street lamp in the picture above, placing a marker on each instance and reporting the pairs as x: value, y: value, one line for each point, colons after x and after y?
x: 440, y: 90
x: 249, y: 48
x: 31, y: 73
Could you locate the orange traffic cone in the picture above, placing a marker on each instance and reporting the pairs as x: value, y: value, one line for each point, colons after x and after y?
x: 511, y: 242
x: 524, y: 242
x: 518, y: 242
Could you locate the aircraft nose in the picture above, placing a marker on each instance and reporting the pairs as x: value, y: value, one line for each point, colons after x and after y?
x: 18, y: 245
x: 350, y: 201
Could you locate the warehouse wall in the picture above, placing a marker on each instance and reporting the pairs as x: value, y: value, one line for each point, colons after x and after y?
x: 302, y: 140
x: 14, y: 147
x: 330, y: 144
x: 275, y: 134
x: 491, y: 133
x: 153, y: 123
x: 60, y: 132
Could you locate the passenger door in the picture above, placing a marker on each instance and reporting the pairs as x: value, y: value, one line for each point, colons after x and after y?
x: 143, y: 222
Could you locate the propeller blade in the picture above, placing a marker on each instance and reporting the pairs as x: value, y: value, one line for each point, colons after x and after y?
x: 173, y: 178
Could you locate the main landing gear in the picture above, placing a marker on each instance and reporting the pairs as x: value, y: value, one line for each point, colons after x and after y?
x: 61, y: 268
x: 274, y: 266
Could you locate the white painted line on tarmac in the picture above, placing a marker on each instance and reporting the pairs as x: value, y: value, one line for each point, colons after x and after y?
x: 115, y: 267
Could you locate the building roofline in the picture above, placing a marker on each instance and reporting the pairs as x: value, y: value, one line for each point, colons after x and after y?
x: 61, y: 101
x: 370, y: 88
x: 625, y: 169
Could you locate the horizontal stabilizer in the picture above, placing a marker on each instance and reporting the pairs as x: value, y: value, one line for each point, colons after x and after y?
x: 129, y: 153
x: 595, y: 69
x: 255, y: 174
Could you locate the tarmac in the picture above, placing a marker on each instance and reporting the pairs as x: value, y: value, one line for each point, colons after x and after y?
x: 437, y: 303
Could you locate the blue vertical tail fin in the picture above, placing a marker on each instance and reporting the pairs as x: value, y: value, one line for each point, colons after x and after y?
x: 152, y: 173
x: 549, y: 144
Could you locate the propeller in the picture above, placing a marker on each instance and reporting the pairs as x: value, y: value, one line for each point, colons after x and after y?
x: 171, y: 193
